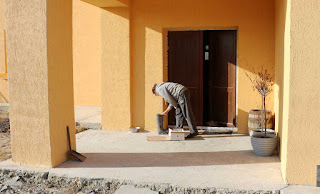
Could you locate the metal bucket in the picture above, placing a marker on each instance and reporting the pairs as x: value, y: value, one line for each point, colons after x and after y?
x: 159, y: 119
x: 134, y: 129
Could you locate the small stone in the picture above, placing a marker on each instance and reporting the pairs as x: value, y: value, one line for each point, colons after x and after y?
x: 45, y: 175
x: 4, y: 188
x: 13, y: 182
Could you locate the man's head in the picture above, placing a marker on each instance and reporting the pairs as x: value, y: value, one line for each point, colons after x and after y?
x: 154, y: 90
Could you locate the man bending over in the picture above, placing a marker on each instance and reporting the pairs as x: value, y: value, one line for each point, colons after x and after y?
x: 177, y: 96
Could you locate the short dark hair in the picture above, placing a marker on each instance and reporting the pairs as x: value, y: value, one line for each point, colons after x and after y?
x: 154, y: 88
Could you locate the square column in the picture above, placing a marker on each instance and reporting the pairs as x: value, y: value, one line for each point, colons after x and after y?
x: 115, y: 68
x: 39, y: 45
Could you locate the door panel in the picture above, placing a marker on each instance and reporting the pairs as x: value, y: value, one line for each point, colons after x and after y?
x: 185, y: 66
x: 221, y: 77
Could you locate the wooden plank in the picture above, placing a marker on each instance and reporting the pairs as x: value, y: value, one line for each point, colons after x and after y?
x: 158, y: 138
x: 107, y: 3
x: 3, y: 76
x: 167, y: 138
x: 5, y: 51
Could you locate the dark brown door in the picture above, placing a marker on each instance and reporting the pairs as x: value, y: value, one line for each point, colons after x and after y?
x: 220, y: 77
x: 185, y: 66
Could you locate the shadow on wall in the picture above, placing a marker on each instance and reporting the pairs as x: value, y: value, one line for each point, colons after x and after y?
x: 279, y: 69
x: 120, y: 160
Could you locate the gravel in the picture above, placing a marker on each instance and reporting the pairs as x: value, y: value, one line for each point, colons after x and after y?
x: 15, y: 181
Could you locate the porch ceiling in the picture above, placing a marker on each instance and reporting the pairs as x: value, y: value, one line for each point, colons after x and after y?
x: 108, y: 3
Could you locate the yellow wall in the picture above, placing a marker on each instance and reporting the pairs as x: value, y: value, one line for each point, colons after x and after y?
x: 108, y: 3
x: 28, y: 83
x: 151, y: 19
x: 86, y: 54
x: 60, y: 79
x: 3, y: 82
x: 40, y: 74
x: 115, y: 60
x: 282, y: 67
x: 303, y: 153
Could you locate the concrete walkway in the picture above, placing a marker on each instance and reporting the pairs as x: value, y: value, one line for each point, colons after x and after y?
x: 213, y: 161
x: 88, y: 116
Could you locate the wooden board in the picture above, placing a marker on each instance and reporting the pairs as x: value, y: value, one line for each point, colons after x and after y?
x: 158, y: 138
x: 167, y: 138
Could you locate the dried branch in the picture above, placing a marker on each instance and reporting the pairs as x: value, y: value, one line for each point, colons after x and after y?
x: 261, y: 81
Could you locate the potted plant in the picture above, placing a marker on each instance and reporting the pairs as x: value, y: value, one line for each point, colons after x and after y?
x: 264, y: 143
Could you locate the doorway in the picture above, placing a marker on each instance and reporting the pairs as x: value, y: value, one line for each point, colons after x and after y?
x: 205, y: 62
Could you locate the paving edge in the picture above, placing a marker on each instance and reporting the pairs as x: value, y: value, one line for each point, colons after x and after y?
x: 114, y: 184
x: 95, y: 126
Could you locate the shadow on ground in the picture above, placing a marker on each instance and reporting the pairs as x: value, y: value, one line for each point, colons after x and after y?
x: 120, y: 160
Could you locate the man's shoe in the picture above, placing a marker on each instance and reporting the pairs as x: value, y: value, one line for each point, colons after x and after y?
x: 163, y: 132
x: 191, y: 135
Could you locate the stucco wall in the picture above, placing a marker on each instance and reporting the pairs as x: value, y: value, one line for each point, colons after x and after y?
x: 40, y: 73
x: 60, y: 79
x: 151, y: 19
x: 282, y: 67
x: 303, y: 130
x: 115, y: 60
x: 29, y: 117
x: 3, y: 82
x: 86, y: 54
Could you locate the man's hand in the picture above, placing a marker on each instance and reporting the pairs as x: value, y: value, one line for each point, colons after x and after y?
x: 167, y: 111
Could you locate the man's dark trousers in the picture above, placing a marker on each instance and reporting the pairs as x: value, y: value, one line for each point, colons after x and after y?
x: 184, y: 111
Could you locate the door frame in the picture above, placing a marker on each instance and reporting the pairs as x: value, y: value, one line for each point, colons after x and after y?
x: 165, y: 43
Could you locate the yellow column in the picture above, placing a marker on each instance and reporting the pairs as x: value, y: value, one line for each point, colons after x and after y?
x: 39, y: 45
x: 3, y: 82
x: 115, y: 62
x: 303, y: 153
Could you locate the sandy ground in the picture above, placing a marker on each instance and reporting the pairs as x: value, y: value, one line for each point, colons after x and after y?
x: 5, y: 146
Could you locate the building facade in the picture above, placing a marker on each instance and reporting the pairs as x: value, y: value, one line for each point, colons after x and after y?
x: 115, y: 50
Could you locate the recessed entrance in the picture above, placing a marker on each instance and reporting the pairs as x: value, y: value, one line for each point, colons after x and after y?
x: 205, y: 62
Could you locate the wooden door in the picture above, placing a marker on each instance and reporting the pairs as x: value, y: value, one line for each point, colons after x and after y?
x: 220, y: 77
x: 185, y: 66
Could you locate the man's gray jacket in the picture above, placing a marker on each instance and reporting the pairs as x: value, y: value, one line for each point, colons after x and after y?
x: 170, y: 92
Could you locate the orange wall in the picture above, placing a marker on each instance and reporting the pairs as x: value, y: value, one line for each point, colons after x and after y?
x: 149, y: 22
x: 3, y: 82
x: 115, y: 61
x: 282, y: 67
x: 86, y: 54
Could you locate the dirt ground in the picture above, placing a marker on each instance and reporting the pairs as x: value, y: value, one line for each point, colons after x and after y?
x: 5, y: 143
x: 5, y: 146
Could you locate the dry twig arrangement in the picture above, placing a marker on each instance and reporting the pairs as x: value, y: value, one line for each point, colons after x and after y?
x: 262, y: 81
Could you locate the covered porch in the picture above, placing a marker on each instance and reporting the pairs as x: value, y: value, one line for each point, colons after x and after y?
x: 133, y: 58
x: 217, y: 162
